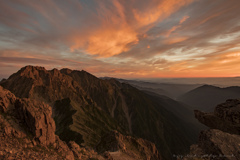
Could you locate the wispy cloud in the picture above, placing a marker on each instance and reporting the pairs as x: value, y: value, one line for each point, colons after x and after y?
x: 122, y: 38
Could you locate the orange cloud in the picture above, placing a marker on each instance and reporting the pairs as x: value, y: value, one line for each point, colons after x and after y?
x: 175, y: 40
x: 183, y: 19
x: 107, y: 41
x: 172, y: 30
x: 159, y: 12
x: 110, y: 42
x: 223, y: 65
x: 112, y: 37
x: 167, y: 34
x: 116, y: 34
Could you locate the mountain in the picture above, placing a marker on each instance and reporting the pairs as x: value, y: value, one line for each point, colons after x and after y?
x: 168, y: 89
x: 180, y: 110
x: 207, y: 96
x: 27, y: 131
x: 85, y: 108
x: 221, y: 141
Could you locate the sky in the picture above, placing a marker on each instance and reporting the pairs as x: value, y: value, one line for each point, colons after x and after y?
x: 122, y: 38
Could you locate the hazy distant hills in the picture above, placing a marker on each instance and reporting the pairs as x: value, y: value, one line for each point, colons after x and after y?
x: 196, y: 96
x: 206, y: 97
x: 171, y: 90
x: 85, y: 108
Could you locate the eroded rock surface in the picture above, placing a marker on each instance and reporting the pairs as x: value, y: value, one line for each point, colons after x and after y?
x: 222, y: 140
x: 226, y: 117
x: 37, y: 116
x: 136, y: 148
x: 27, y: 131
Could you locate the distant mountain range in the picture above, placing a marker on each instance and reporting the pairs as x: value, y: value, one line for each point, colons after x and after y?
x: 85, y: 108
x: 206, y: 97
x: 196, y: 96
x: 171, y: 90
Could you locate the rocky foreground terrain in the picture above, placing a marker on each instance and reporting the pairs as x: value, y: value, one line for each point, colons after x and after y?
x: 222, y: 140
x: 27, y: 131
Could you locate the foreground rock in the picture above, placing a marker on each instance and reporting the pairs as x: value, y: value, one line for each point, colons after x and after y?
x: 222, y: 141
x: 27, y: 131
x: 117, y: 144
x: 226, y: 117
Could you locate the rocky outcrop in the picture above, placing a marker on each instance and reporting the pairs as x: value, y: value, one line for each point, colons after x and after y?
x: 27, y: 131
x: 37, y: 117
x: 7, y: 100
x: 222, y: 140
x: 34, y: 115
x: 83, y: 153
x: 136, y: 148
x: 217, y: 144
x: 226, y: 117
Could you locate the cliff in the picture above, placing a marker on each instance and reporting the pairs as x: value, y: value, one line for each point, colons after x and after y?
x: 27, y: 131
x: 222, y: 140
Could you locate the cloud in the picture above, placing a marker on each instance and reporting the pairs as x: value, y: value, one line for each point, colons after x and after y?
x: 183, y: 19
x: 123, y: 38
x: 175, y: 40
x: 106, y: 42
x: 116, y: 33
x: 174, y: 28
x: 158, y: 11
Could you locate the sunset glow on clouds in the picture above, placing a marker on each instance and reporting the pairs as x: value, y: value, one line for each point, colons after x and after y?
x: 122, y: 38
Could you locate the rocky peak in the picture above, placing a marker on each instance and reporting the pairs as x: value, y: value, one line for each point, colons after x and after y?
x: 66, y: 71
x: 31, y: 71
x: 55, y: 72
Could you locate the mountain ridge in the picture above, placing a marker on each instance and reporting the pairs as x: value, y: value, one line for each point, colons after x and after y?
x: 101, y: 106
x: 207, y: 96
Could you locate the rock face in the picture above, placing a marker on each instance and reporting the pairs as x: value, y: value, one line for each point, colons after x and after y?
x: 222, y: 141
x: 136, y: 148
x: 27, y: 131
x: 226, y: 117
x: 7, y: 100
x: 37, y: 116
